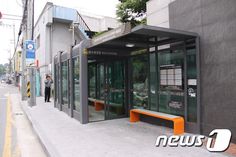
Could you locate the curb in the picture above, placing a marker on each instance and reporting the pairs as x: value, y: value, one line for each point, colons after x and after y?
x: 46, y: 144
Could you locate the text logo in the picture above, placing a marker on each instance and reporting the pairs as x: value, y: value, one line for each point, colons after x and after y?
x: 220, y: 144
x: 222, y: 140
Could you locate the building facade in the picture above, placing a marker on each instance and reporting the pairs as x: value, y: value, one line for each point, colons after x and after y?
x: 56, y: 30
x: 214, y: 21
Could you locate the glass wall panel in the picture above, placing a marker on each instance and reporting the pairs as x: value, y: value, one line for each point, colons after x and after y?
x: 76, y: 77
x: 65, y: 82
x: 153, y: 83
x: 171, y: 90
x: 116, y: 95
x: 192, y: 85
x: 96, y: 91
x: 140, y: 81
x: 100, y: 81
x: 92, y: 80
x: 56, y: 82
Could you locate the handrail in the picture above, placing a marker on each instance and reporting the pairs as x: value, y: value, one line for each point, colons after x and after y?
x: 82, y: 22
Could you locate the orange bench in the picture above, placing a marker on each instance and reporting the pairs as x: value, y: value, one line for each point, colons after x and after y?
x: 99, y: 105
x: 177, y: 120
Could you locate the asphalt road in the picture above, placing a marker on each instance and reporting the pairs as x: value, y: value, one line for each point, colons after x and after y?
x: 17, y: 137
x: 5, y: 90
x: 3, y: 102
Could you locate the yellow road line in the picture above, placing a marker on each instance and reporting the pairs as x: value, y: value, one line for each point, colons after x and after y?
x: 7, y: 144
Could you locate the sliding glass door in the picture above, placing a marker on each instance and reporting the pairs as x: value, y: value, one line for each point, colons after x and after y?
x: 115, y: 106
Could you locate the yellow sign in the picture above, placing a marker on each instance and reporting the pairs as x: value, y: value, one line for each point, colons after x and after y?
x: 28, y: 89
x: 85, y: 52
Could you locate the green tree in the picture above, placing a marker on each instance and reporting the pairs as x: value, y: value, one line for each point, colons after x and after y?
x: 2, y: 69
x: 133, y: 11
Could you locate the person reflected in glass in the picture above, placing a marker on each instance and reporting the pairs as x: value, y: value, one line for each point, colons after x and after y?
x: 48, y: 82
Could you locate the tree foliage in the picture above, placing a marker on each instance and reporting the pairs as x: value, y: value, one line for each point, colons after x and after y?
x: 3, y: 69
x: 133, y: 11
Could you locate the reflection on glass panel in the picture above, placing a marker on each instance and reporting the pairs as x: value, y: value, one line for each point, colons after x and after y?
x: 171, y: 92
x: 140, y: 81
x: 96, y: 92
x: 116, y: 93
x: 100, y: 82
x: 56, y: 81
x: 192, y: 85
x: 153, y: 83
x: 65, y: 82
x: 92, y: 80
x: 76, y: 72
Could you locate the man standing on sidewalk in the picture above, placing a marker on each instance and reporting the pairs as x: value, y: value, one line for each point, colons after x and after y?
x: 47, y: 90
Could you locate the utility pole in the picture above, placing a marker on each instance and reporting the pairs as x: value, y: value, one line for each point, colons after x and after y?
x: 28, y: 73
x: 31, y: 69
x: 24, y: 28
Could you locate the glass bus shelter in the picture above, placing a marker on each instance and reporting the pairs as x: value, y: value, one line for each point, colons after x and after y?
x: 142, y: 67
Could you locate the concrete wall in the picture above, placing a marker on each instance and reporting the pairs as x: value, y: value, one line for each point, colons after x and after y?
x: 100, y: 23
x: 61, y: 37
x: 215, y: 22
x: 158, y: 13
x: 42, y: 48
x: 53, y: 38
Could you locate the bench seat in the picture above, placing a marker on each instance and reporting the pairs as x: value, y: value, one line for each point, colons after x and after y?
x: 178, y: 121
x: 99, y: 105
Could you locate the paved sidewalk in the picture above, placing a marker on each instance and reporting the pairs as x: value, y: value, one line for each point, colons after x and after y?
x: 63, y: 136
x: 27, y: 140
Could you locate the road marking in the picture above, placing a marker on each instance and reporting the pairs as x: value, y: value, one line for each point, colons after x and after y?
x: 7, y: 143
x: 16, y: 152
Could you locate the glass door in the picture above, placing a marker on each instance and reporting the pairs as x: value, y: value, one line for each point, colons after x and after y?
x: 115, y: 106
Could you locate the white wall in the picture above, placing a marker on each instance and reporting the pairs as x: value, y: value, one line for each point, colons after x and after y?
x: 100, y: 23
x: 56, y: 36
x: 61, y: 41
x: 41, y: 29
x: 61, y: 37
x: 158, y: 13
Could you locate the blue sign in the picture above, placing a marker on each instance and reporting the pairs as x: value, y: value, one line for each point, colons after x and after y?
x: 30, y: 49
x: 30, y: 55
